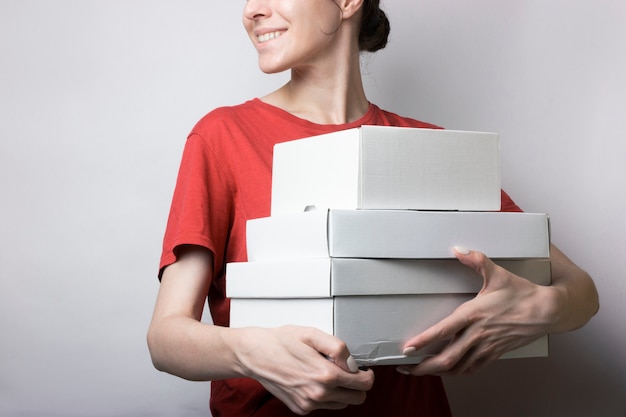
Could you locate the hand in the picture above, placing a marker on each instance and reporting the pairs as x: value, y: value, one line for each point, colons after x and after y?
x: 507, y: 313
x: 305, y: 368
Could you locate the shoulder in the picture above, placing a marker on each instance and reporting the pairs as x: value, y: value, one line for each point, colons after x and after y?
x: 225, y: 128
x: 225, y: 116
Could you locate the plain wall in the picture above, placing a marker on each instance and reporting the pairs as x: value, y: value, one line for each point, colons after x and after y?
x: 97, y: 97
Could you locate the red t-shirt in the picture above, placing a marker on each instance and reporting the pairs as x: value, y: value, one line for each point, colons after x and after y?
x: 224, y: 180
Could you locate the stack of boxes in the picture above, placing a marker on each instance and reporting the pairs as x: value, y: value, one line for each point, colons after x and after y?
x: 360, y: 241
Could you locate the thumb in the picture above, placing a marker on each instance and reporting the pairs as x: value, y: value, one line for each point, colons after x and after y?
x: 348, y: 363
x: 478, y: 261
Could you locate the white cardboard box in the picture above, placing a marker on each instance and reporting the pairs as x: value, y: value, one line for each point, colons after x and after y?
x: 403, y: 234
x: 329, y: 277
x: 374, y: 328
x: 373, y: 305
x: 381, y: 167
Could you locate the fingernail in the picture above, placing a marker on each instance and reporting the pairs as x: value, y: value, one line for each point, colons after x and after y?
x: 352, y: 365
x: 409, y: 351
x: 403, y: 370
x: 462, y: 250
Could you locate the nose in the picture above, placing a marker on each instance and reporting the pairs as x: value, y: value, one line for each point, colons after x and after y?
x: 256, y: 9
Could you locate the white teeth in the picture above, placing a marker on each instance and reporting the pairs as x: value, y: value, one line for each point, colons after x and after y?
x: 269, y: 36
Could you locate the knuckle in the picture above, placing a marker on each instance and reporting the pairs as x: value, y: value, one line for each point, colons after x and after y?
x: 480, y: 262
x: 448, y: 364
x: 470, y: 314
x: 338, y: 346
x: 481, y: 258
x: 326, y: 377
x: 308, y: 332
x: 443, y: 333
x: 316, y: 394
x: 304, y: 408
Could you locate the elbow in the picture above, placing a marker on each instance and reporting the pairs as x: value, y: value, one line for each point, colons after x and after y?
x: 577, y: 303
x: 154, y: 347
x: 589, y: 304
x: 591, y: 299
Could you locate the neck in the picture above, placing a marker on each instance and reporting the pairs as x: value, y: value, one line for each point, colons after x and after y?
x: 331, y: 94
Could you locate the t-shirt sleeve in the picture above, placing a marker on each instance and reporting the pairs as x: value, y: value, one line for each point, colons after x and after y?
x: 201, y: 206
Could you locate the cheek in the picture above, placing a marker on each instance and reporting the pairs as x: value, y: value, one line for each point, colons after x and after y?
x: 247, y: 27
x: 313, y: 17
x: 328, y: 17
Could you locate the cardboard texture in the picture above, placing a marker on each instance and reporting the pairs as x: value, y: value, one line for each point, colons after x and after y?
x: 373, y: 305
x: 373, y: 327
x: 401, y: 234
x: 330, y: 277
x: 379, y: 167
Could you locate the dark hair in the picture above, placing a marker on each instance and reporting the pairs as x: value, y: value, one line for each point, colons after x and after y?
x: 375, y: 27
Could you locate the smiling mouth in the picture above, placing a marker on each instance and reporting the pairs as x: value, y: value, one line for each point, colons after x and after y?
x: 269, y: 36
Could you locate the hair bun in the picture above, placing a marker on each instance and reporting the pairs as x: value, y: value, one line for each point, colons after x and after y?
x: 375, y: 27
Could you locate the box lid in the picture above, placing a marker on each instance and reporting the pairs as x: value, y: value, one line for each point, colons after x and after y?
x: 402, y: 234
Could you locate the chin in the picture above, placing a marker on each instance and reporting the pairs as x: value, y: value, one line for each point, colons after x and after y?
x: 269, y: 66
x: 272, y: 70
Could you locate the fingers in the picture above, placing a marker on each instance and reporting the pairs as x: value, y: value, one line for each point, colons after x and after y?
x: 498, y: 319
x: 438, y: 366
x: 458, y: 357
x: 305, y: 406
x: 446, y: 329
x: 320, y: 374
x: 348, y: 363
x: 324, y: 389
x: 333, y: 349
x: 468, y: 350
x: 460, y: 353
x: 462, y: 317
x: 451, y: 330
x: 336, y: 352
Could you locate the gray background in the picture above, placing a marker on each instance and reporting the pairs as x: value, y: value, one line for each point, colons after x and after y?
x: 96, y: 99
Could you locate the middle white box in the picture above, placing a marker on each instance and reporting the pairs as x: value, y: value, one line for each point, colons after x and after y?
x: 403, y: 234
x: 383, y: 167
x: 337, y: 277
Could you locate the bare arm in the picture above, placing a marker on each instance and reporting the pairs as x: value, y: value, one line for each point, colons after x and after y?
x: 289, y: 361
x: 507, y: 313
x: 578, y: 299
x: 179, y: 343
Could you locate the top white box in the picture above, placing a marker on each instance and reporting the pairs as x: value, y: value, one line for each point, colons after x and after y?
x: 381, y: 167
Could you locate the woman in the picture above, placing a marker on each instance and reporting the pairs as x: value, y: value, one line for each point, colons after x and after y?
x: 224, y: 180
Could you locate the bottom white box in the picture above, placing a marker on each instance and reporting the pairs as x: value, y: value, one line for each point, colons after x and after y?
x: 373, y: 327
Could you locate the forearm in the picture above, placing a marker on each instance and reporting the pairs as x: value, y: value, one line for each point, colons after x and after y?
x: 193, y: 350
x: 574, y: 298
x: 291, y: 362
